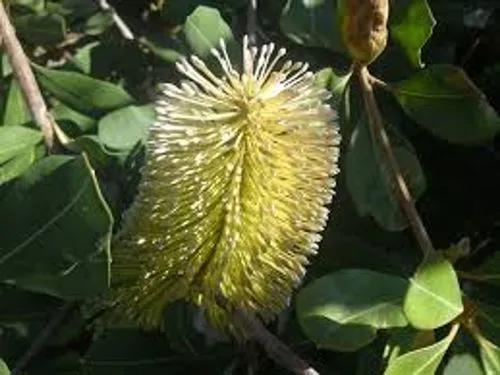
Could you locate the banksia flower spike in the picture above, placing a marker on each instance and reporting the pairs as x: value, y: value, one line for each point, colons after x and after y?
x: 239, y: 170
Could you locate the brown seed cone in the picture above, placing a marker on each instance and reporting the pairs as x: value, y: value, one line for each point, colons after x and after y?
x: 364, y: 28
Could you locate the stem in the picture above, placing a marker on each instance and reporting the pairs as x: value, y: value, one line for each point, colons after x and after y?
x: 119, y: 22
x: 252, y: 22
x: 26, y: 79
x: 42, y: 337
x: 400, y: 188
x: 274, y: 347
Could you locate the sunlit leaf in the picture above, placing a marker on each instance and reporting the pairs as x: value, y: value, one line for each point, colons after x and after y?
x: 411, y: 24
x: 343, y: 310
x: 434, y: 297
x: 463, y: 364
x: 422, y: 361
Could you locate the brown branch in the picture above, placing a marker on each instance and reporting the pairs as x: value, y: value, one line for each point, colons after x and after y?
x: 274, y: 347
x: 24, y: 75
x: 400, y: 188
x: 39, y: 341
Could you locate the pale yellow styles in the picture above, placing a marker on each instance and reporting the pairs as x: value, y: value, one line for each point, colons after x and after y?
x: 239, y: 170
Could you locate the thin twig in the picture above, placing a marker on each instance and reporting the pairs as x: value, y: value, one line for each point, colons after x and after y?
x: 39, y: 342
x: 119, y: 22
x: 252, y: 22
x: 24, y: 75
x: 400, y: 188
x: 274, y: 347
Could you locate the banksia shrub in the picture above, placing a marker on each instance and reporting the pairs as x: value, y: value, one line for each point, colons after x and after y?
x: 233, y: 196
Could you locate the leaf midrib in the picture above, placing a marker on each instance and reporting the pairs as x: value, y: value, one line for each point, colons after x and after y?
x: 46, y: 226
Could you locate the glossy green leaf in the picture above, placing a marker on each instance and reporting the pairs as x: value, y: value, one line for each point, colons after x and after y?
x: 16, y: 112
x: 124, y: 128
x: 72, y: 122
x: 203, y: 30
x: 369, y: 182
x: 463, y: 364
x: 83, y: 93
x: 443, y: 99
x: 4, y: 370
x: 407, y: 339
x: 343, y: 310
x: 490, y: 357
x: 434, y: 297
x: 56, y: 230
x: 411, y: 24
x: 422, y: 361
x: 312, y: 23
x: 20, y: 163
x: 19, y: 148
x: 41, y: 29
x: 16, y: 139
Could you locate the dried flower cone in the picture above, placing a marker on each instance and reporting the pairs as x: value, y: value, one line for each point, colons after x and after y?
x: 238, y: 173
x: 364, y: 28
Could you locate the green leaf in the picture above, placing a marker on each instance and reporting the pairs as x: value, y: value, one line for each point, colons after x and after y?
x: 20, y: 163
x: 98, y: 23
x: 411, y: 24
x: 423, y: 361
x: 336, y: 84
x: 94, y: 149
x: 163, y: 49
x: 463, y: 364
x: 19, y: 148
x: 343, y: 310
x: 16, y: 139
x: 490, y: 356
x: 4, y: 370
x: 82, y: 59
x: 72, y: 122
x: 83, y: 93
x: 404, y: 340
x: 124, y: 128
x: 369, y: 182
x: 203, y: 30
x: 56, y: 230
x: 434, y: 297
x: 312, y: 23
x: 16, y: 112
x: 488, y: 321
x: 41, y: 29
x: 489, y: 271
x: 443, y: 99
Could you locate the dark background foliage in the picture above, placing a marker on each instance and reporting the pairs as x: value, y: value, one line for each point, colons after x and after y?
x: 57, y: 216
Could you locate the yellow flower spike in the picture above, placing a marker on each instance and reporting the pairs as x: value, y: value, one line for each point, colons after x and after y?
x: 239, y: 170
